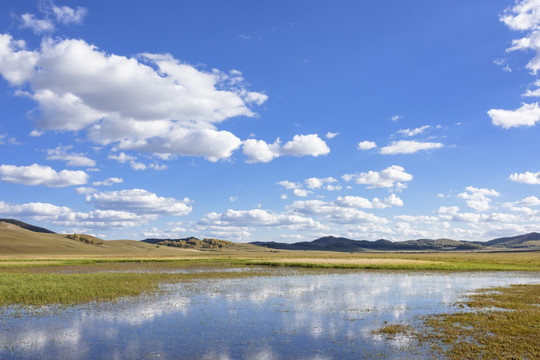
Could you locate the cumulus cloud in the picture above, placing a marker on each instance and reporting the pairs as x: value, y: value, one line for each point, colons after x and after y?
x: 529, y: 201
x: 300, y: 145
x: 526, y: 115
x: 478, y: 199
x: 139, y: 201
x: 526, y: 178
x: 67, y: 217
x: 42, y: 175
x: 152, y: 103
x: 316, y: 183
x: 258, y: 218
x: 393, y: 176
x: 71, y: 159
x: 413, y: 132
x: 339, y: 211
x: 301, y: 192
x: 360, y: 202
x: 289, y: 185
x: 396, y: 117
x: 366, y: 145
x: 408, y: 147
x: 260, y: 151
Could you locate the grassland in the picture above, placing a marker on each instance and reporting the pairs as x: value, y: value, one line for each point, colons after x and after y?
x: 504, y: 324
x: 39, y: 268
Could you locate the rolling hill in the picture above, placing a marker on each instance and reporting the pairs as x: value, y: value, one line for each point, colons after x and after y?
x: 19, y: 241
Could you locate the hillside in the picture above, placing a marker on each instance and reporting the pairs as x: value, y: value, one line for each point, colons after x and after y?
x: 17, y: 241
x: 27, y: 226
x: 520, y: 241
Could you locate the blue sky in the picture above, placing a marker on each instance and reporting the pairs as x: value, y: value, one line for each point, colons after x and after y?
x: 282, y: 120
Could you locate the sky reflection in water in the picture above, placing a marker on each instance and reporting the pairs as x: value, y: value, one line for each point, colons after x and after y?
x: 302, y: 316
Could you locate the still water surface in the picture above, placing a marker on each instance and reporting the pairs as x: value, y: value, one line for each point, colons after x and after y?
x: 303, y: 315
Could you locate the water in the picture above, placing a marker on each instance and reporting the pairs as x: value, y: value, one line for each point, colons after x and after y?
x: 299, y: 316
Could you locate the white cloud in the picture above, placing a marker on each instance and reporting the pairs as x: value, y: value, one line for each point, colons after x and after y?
x: 340, y: 211
x: 301, y: 192
x: 83, y: 190
x: 331, y: 135
x: 289, y: 185
x: 366, y: 145
x: 38, y: 26
x: 17, y: 65
x: 376, y: 203
x: 140, y: 201
x: 478, y: 199
x: 137, y: 165
x: 260, y: 151
x: 121, y: 157
x: 524, y: 15
x: 71, y: 159
x: 535, y: 92
x: 529, y: 201
x: 354, y: 202
x: 417, y: 219
x: 66, y: 217
x: 153, y: 103
x: 396, y: 117
x: 42, y: 175
x: 413, y: 132
x: 108, y: 182
x: 392, y: 176
x: 300, y: 145
x: 67, y: 15
x: 258, y: 218
x: 316, y: 183
x: 233, y: 198
x: 526, y: 115
x: 408, y: 147
x: 392, y: 200
x: 4, y: 139
x: 448, y: 210
x: 526, y: 178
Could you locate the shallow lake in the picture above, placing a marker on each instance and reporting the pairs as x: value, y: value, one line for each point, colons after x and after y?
x: 292, y: 315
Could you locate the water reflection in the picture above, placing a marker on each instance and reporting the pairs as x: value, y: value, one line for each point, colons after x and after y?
x: 301, y: 316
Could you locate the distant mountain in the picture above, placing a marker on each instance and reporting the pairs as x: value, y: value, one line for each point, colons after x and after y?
x: 520, y: 241
x: 27, y: 226
x: 331, y: 243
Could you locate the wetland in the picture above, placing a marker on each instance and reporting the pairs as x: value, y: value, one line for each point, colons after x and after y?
x: 213, y: 311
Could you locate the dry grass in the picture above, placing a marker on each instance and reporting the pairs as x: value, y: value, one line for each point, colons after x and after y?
x: 505, y: 324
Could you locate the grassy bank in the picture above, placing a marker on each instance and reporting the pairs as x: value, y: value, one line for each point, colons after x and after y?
x: 45, y: 289
x: 504, y: 324
x: 77, y: 279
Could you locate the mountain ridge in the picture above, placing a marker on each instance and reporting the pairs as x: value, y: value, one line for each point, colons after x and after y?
x: 333, y: 243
